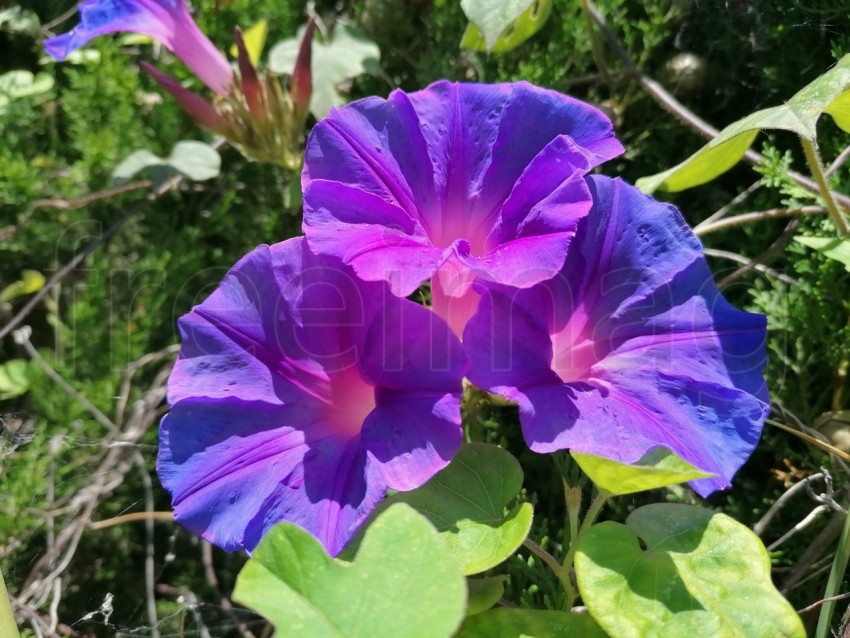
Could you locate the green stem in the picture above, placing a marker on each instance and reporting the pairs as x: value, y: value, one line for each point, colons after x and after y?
x: 595, y: 47
x: 826, y: 194
x: 589, y: 518
x: 8, y: 628
x: 836, y: 577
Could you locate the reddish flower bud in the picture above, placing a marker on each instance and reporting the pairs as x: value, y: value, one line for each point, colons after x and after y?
x: 251, y: 87
x: 302, y: 75
x: 196, y: 106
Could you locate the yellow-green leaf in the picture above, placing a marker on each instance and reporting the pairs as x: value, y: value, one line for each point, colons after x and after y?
x: 31, y: 281
x: 255, y: 39
x: 657, y: 468
x: 529, y: 22
x: 827, y: 94
x: 834, y: 248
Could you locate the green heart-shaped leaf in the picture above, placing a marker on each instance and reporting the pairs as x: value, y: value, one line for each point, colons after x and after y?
x: 346, y: 54
x: 527, y: 623
x: 403, y: 582
x: 834, y: 248
x: 702, y: 574
x: 657, y: 468
x: 526, y: 25
x: 194, y: 160
x: 468, y: 501
x: 493, y: 17
x: 827, y: 94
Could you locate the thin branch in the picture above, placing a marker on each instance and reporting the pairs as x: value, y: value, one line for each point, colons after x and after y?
x: 764, y: 521
x: 542, y: 554
x: 150, y: 550
x: 22, y: 338
x: 725, y: 254
x: 810, y: 518
x: 838, y: 162
x: 224, y: 601
x: 740, y: 198
x: 79, y: 202
x: 776, y: 248
x: 685, y: 115
x: 132, y: 518
x: 757, y: 216
x: 826, y: 447
x: 63, y: 272
x: 821, y: 602
x: 823, y: 541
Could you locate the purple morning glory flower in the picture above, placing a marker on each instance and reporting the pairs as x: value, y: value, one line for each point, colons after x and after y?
x: 167, y: 21
x: 457, y: 182
x: 301, y: 394
x: 631, y: 346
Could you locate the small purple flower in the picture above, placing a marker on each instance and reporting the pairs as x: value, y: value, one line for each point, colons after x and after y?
x: 461, y: 181
x: 301, y: 394
x: 167, y: 21
x: 631, y: 346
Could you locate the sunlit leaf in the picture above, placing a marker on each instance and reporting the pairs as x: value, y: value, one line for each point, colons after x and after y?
x: 403, y: 582
x: 31, y: 281
x: 834, y: 248
x: 19, y: 20
x: 255, y: 39
x: 347, y: 54
x: 529, y: 22
x: 14, y: 378
x: 701, y: 575
x: 493, y: 17
x: 827, y: 94
x: 194, y: 160
x: 529, y: 623
x: 469, y: 503
x: 657, y: 468
x: 18, y: 84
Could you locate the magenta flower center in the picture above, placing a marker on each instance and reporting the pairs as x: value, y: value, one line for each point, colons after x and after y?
x: 350, y: 402
x: 573, y: 351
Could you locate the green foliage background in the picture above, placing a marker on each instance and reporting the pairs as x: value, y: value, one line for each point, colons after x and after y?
x: 124, y: 301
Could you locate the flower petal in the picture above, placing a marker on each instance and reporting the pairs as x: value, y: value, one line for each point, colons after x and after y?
x: 410, y: 438
x: 260, y: 465
x: 453, y: 164
x: 640, y: 347
x: 167, y: 21
x: 285, y: 369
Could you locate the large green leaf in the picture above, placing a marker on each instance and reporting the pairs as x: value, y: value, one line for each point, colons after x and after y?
x: 484, y: 593
x: 194, y: 160
x: 346, y: 54
x: 527, y: 623
x: 526, y: 25
x: 827, y: 94
x: 657, y: 468
x: 834, y: 248
x: 701, y: 574
x: 403, y: 582
x: 493, y: 17
x: 468, y: 503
